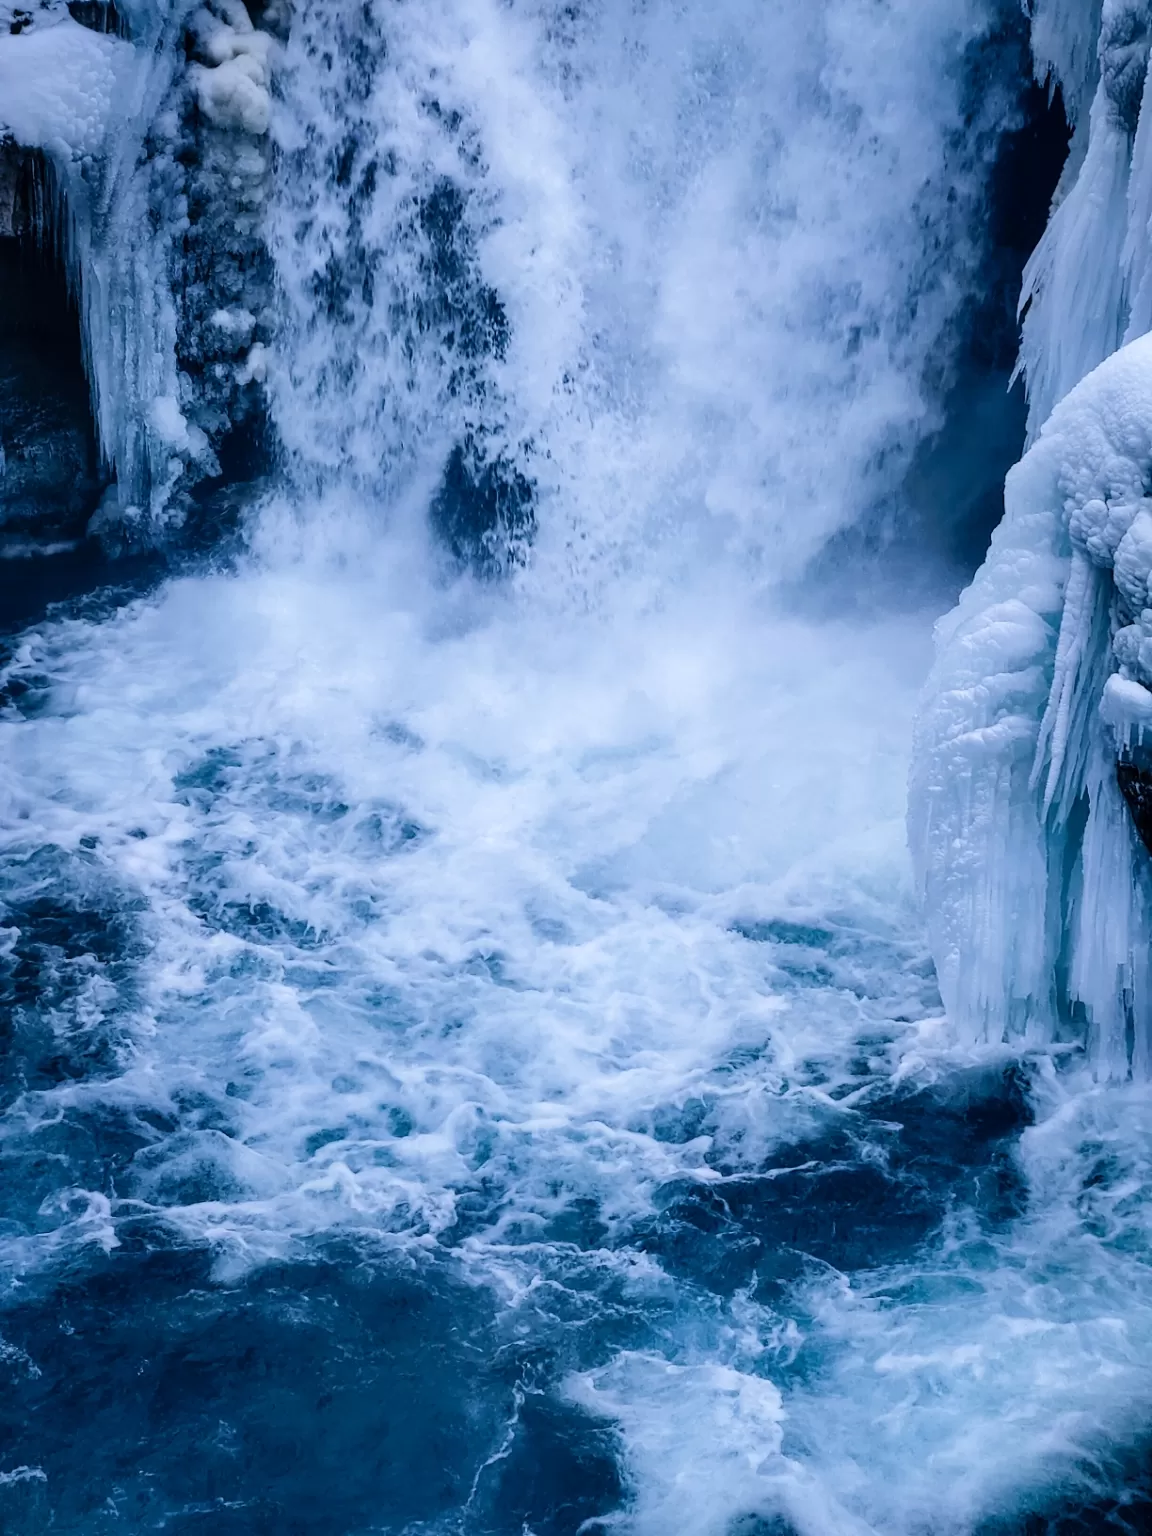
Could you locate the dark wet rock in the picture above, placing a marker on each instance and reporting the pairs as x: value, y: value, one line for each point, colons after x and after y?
x: 1136, y: 787
x: 484, y: 510
x: 98, y: 16
x: 51, y: 480
x: 79, y: 581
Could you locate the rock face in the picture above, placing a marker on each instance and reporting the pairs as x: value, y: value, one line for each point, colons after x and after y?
x: 51, y: 479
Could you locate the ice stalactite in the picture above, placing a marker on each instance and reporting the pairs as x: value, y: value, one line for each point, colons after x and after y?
x: 1064, y: 35
x: 153, y: 121
x: 1031, y: 792
x: 1038, y: 890
x: 1088, y: 286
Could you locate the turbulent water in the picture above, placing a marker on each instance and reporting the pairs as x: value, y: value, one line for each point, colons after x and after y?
x: 472, y: 1060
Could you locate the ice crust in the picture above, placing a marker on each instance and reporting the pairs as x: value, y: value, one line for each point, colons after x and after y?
x: 160, y: 175
x: 1036, y: 885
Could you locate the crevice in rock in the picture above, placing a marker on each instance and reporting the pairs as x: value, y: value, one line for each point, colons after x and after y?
x: 1136, y: 786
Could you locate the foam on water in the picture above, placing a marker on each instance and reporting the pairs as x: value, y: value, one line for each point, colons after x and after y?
x: 480, y: 904
x: 549, y: 943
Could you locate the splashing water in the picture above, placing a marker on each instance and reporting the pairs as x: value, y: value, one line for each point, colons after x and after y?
x: 473, y: 1060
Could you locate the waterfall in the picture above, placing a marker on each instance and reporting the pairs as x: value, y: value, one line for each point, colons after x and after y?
x: 474, y: 1059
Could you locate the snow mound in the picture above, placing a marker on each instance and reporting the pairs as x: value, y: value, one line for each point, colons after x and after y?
x: 58, y: 84
x: 233, y: 88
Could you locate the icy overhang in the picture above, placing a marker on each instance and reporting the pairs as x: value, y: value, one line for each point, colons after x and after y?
x: 1037, y: 890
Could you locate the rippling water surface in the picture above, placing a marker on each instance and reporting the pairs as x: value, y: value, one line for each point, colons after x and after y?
x: 471, y: 1059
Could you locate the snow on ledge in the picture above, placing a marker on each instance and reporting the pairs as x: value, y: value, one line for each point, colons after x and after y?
x: 58, y: 83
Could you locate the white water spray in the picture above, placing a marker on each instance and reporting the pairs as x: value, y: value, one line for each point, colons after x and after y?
x: 474, y: 916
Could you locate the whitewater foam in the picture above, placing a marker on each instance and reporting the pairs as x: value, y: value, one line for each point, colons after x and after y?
x: 550, y: 943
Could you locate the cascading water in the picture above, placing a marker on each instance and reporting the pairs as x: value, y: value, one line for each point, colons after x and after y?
x: 472, y: 1058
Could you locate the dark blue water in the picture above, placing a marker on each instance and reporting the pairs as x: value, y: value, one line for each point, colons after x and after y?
x: 469, y: 1060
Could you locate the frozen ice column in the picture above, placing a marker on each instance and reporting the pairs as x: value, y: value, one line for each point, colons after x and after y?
x: 1037, y: 711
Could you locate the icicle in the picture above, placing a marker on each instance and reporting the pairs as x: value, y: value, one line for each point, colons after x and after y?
x: 1073, y: 295
x: 1109, y: 945
x: 1064, y: 34
x: 1013, y: 736
x: 1064, y: 723
x: 974, y: 823
x: 1137, y: 254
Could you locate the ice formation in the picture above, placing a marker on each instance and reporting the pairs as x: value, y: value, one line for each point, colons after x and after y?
x: 158, y: 173
x: 1035, y: 883
x: 471, y: 1060
x: 1088, y: 286
x: 1037, y: 717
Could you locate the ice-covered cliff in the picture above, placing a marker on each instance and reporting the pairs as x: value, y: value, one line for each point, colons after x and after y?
x: 469, y: 1060
x: 1030, y: 791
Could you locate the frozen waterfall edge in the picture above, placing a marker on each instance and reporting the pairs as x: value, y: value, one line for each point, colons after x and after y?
x: 154, y: 136
x: 1028, y: 813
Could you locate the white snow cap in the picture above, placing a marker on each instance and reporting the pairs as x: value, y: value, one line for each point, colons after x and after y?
x: 58, y: 82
